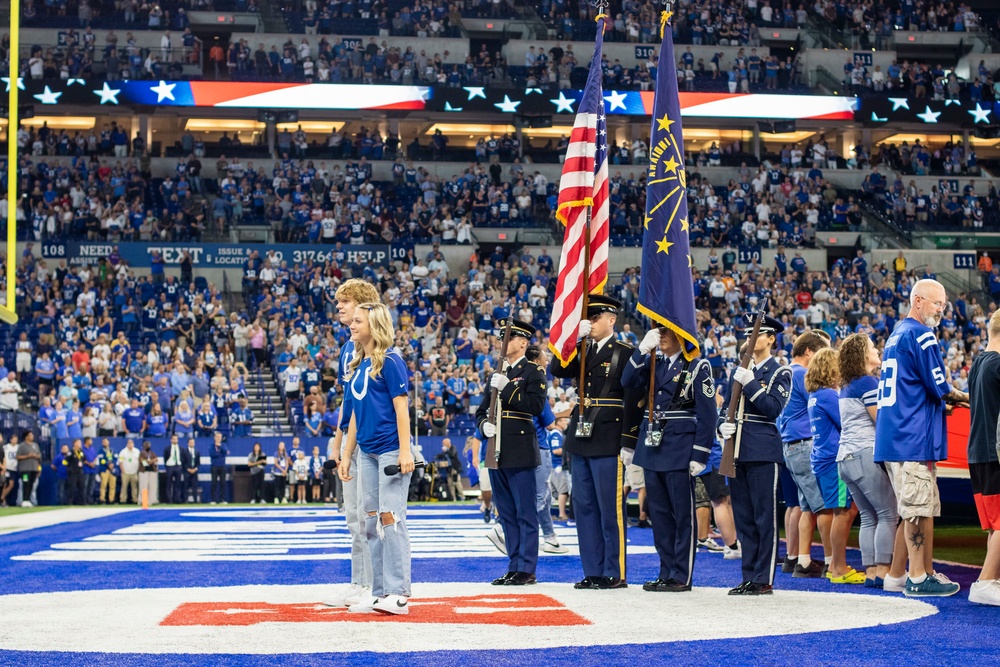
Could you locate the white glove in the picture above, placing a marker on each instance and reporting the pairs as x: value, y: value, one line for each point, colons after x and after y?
x: 650, y: 341
x: 626, y: 456
x: 584, y: 330
x: 498, y: 381
x: 557, y: 470
x: 489, y: 430
x: 696, y: 468
x: 742, y: 375
x: 727, y: 430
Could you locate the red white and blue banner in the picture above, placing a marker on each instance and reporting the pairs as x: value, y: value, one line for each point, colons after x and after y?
x: 479, y: 99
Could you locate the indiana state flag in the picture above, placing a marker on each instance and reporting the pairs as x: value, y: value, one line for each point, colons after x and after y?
x: 666, y: 291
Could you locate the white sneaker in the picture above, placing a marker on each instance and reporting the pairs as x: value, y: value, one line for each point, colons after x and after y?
x: 212, y: 503
x: 364, y: 606
x: 941, y: 577
x: 393, y: 604
x: 495, y: 535
x: 894, y: 584
x: 26, y: 503
x: 253, y: 502
x: 711, y: 546
x: 276, y: 501
x: 985, y: 592
x: 732, y: 554
x: 551, y: 545
x: 351, y: 595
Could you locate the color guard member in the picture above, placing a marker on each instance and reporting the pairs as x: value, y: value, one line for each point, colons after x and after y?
x: 766, y: 388
x: 674, y: 443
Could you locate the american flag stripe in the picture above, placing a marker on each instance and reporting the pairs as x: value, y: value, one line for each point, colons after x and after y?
x: 584, y: 183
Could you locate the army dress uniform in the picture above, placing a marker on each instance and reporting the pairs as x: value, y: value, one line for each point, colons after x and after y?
x: 512, y: 469
x: 610, y: 421
x: 758, y: 450
x: 682, y: 431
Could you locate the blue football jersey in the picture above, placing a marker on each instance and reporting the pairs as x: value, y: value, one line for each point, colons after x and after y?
x: 910, y: 424
x: 794, y: 420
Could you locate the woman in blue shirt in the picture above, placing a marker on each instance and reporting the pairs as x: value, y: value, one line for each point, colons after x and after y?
x: 380, y: 426
x: 313, y: 422
x: 206, y: 419
x: 59, y: 421
x: 822, y: 382
x: 157, y: 422
x: 74, y: 424
x: 183, y: 419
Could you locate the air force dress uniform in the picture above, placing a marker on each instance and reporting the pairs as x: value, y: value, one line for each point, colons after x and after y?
x: 610, y: 421
x: 512, y: 471
x: 758, y: 451
x: 679, y: 436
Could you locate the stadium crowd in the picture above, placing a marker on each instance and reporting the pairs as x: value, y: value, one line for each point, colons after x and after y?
x: 113, y: 354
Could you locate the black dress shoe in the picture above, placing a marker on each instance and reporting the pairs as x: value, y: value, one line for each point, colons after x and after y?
x: 502, y: 581
x: 759, y: 589
x: 584, y: 584
x: 741, y: 589
x: 520, y: 579
x: 674, y: 586
x: 607, y: 583
x: 788, y: 565
x: 643, y: 523
x: 656, y: 586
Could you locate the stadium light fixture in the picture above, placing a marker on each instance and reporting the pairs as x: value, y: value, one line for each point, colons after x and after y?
x: 8, y: 309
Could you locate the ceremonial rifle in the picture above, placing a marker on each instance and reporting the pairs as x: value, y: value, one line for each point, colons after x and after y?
x: 492, y: 415
x: 729, y: 454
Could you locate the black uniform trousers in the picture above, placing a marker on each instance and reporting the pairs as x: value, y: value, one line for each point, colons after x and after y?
x: 599, y: 512
x: 754, y: 492
x: 670, y: 504
x: 514, y: 495
x: 191, y: 485
x: 175, y: 484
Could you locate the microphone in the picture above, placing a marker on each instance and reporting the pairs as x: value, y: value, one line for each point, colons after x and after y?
x: 329, y: 464
x: 394, y: 469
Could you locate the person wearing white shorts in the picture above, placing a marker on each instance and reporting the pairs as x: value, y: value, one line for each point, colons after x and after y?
x: 635, y: 480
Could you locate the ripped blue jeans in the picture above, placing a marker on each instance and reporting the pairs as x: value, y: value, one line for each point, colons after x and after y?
x: 388, y: 543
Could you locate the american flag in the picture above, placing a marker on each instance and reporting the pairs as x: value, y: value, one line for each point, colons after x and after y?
x: 584, y: 183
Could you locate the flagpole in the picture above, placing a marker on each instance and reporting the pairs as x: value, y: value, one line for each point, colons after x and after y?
x: 601, y: 6
x: 586, y: 305
x: 650, y: 404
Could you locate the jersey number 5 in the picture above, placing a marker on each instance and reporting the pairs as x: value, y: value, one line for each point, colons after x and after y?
x: 887, y: 384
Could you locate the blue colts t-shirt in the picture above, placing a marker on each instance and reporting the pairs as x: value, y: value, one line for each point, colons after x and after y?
x: 794, y: 419
x: 371, y: 402
x: 824, y: 418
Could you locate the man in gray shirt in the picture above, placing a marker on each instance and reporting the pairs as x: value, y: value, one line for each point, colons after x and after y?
x: 29, y: 462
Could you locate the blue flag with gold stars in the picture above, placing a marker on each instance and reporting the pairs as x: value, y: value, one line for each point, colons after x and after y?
x: 666, y: 290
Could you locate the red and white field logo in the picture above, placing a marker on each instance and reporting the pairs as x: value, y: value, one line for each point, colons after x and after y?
x: 528, y: 610
x: 246, y: 619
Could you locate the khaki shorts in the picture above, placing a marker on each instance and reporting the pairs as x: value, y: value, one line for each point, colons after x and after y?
x: 559, y: 482
x: 484, y: 479
x: 634, y: 477
x: 915, y: 485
